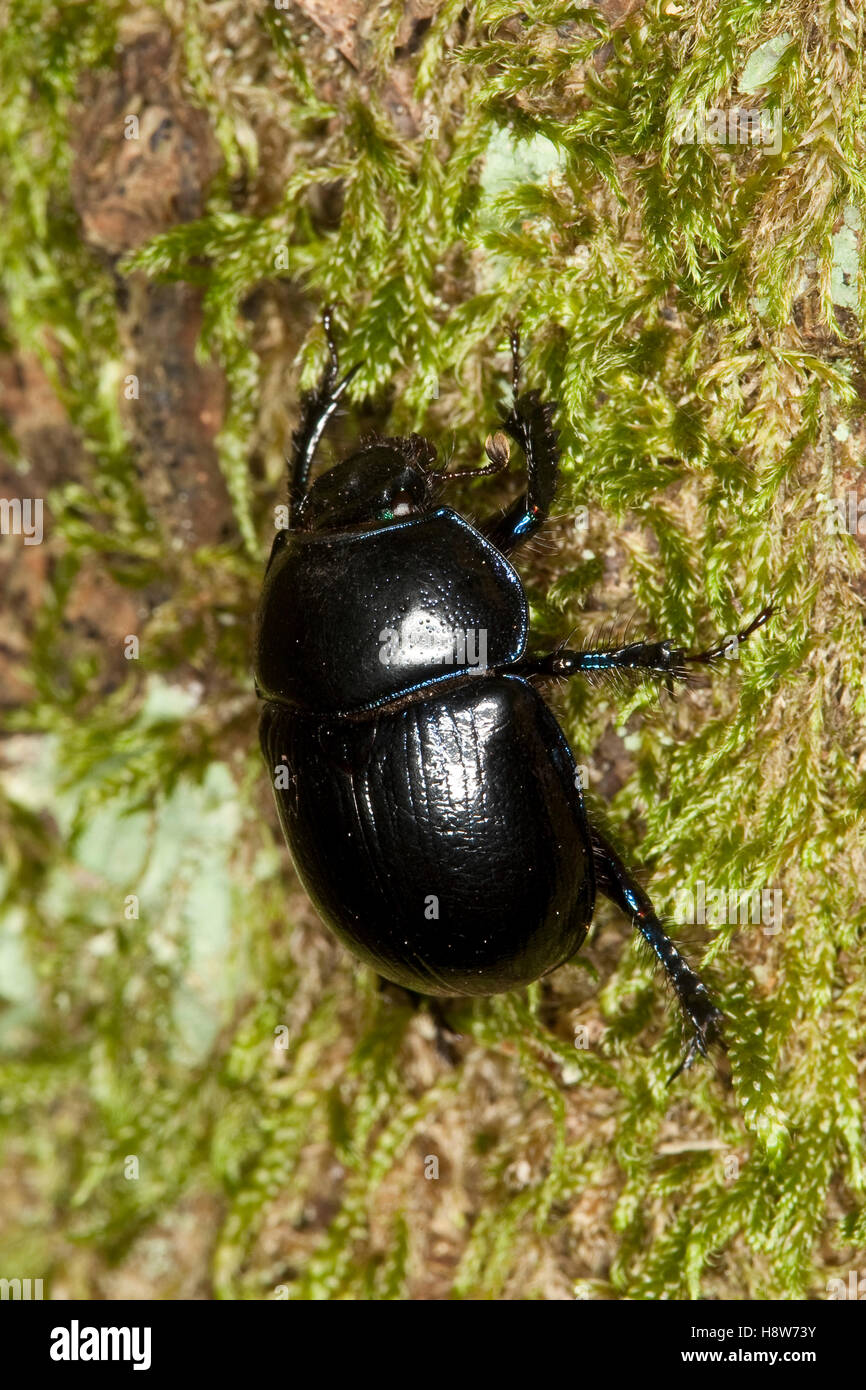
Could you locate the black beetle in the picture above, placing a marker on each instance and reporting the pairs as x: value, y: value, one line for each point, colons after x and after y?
x: 429, y: 798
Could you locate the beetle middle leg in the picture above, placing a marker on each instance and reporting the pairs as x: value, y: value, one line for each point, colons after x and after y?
x: 654, y: 658
x: 615, y: 881
x: 530, y: 423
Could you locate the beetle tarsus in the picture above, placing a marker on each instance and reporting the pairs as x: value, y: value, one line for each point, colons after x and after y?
x: 327, y: 325
x: 514, y: 341
x: 705, y: 1031
x: 713, y: 654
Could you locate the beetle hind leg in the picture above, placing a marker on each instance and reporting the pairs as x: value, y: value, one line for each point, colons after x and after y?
x: 444, y: 1035
x: 619, y: 885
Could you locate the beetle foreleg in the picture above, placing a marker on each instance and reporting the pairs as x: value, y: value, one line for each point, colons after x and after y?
x: 316, y: 410
x: 529, y: 422
x: 616, y: 882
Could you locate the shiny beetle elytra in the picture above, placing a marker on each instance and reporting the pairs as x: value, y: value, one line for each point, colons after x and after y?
x: 431, y: 803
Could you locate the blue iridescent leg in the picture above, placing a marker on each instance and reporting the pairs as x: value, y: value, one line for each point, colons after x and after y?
x: 654, y: 658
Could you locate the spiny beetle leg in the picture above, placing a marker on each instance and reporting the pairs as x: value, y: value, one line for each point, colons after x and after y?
x: 529, y: 422
x: 317, y: 408
x: 616, y: 883
x: 657, y: 658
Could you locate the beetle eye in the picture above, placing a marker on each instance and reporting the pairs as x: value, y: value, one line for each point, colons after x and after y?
x: 403, y: 504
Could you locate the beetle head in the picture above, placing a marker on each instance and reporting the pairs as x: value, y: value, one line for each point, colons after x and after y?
x: 386, y: 480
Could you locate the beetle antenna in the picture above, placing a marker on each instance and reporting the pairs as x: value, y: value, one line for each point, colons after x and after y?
x: 497, y: 450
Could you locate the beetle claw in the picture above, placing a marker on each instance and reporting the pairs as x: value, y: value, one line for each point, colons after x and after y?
x: 705, y: 1023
